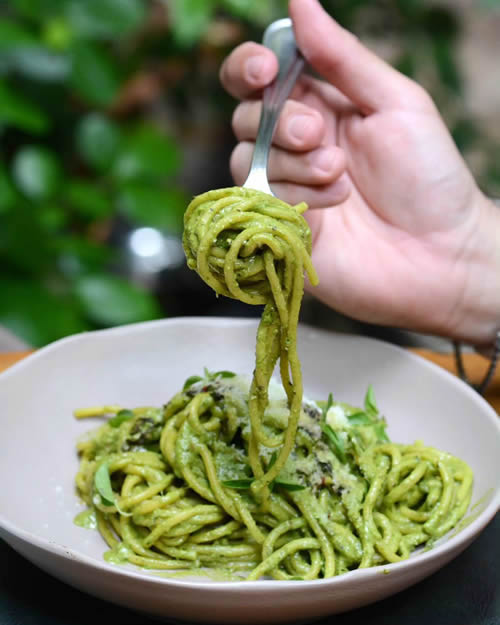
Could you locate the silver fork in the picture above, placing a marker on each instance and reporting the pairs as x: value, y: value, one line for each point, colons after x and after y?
x: 278, y: 37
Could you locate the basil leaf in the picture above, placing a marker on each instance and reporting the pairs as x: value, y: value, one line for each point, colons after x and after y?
x: 272, y: 460
x: 370, y: 403
x: 238, y: 484
x: 290, y: 486
x: 223, y: 374
x: 336, y: 443
x: 381, y: 433
x: 190, y: 381
x: 359, y: 418
x: 120, y: 417
x: 329, y: 404
x: 102, y: 483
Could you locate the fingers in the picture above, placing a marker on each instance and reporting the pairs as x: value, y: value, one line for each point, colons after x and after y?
x: 315, y: 197
x: 370, y: 83
x: 317, y: 167
x: 316, y: 177
x: 299, y: 127
x: 248, y: 69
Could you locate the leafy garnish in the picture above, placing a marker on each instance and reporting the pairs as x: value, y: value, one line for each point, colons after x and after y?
x: 335, y: 442
x: 370, y: 403
x: 190, y: 381
x: 243, y: 484
x: 102, y: 483
x: 327, y: 407
x: 290, y: 486
x: 359, y: 418
x: 208, y: 375
x: 272, y: 460
x: 381, y: 433
x: 223, y: 374
x: 120, y: 417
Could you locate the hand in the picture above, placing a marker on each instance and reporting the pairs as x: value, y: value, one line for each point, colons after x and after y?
x: 405, y: 237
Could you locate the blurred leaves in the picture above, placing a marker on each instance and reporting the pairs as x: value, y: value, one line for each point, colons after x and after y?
x: 36, y: 172
x: 105, y: 18
x: 89, y: 200
x: 94, y: 74
x: 14, y: 35
x: 8, y: 195
x: 162, y: 209
x: 97, y: 139
x: 96, y: 99
x: 108, y: 300
x: 18, y: 111
x: 190, y: 19
x: 37, y: 314
x: 146, y: 154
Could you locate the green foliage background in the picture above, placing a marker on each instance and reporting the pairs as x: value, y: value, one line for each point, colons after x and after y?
x: 93, y: 129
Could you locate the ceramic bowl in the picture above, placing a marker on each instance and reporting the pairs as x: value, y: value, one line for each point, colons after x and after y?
x: 146, y: 364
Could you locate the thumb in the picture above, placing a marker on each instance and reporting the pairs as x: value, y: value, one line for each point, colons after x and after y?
x: 370, y: 83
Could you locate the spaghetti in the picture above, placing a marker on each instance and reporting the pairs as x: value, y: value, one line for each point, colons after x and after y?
x: 249, y: 477
x: 253, y: 247
x: 170, y: 488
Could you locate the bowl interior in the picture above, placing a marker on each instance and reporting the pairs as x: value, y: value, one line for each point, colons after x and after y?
x: 146, y: 364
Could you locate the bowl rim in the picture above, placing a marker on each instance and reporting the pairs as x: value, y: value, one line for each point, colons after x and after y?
x: 452, y: 544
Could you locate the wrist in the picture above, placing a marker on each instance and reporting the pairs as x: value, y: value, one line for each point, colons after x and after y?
x: 477, y: 315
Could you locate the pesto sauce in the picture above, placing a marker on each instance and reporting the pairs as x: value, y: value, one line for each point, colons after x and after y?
x: 86, y: 519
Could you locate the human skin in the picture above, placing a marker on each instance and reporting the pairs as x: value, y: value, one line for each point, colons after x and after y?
x: 402, y: 236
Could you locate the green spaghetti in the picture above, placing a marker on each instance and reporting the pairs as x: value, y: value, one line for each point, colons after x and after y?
x: 247, y: 476
x: 253, y: 247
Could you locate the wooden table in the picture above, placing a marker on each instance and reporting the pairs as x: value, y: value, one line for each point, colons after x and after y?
x: 475, y: 366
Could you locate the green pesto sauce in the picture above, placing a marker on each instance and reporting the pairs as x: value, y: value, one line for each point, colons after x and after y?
x: 118, y: 554
x: 86, y: 519
x: 475, y: 510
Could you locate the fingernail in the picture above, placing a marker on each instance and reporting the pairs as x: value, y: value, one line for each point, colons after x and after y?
x: 299, y: 127
x: 323, y: 160
x: 253, y: 68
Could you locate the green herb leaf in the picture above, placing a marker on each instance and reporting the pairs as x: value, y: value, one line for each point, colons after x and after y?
x: 336, y: 443
x: 290, y: 486
x: 190, y: 381
x: 272, y: 460
x: 121, y: 417
x: 381, y: 433
x: 370, y: 403
x: 359, y: 418
x: 102, y: 484
x: 243, y: 484
x: 223, y: 374
x: 329, y: 404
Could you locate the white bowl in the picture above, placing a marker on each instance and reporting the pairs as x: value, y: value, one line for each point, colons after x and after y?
x: 146, y: 364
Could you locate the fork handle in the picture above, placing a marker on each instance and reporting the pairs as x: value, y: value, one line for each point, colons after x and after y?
x: 279, y: 38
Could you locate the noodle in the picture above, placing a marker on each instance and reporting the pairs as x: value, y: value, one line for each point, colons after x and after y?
x: 249, y: 477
